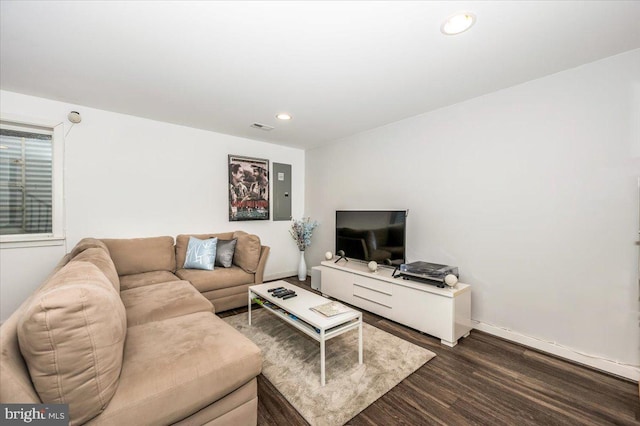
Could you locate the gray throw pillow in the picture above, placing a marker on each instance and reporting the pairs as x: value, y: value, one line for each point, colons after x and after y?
x: 224, y: 252
x: 201, y: 254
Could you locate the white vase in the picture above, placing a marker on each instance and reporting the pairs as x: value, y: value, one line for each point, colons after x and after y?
x: 302, y: 267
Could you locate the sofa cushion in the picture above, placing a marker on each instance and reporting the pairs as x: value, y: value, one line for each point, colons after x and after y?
x: 247, y: 254
x: 138, y: 255
x: 224, y: 252
x: 213, y: 280
x: 201, y: 254
x: 146, y: 278
x: 72, y: 336
x: 162, y: 301
x: 102, y: 260
x: 182, y: 241
x: 16, y: 386
x: 87, y: 243
x: 200, y: 359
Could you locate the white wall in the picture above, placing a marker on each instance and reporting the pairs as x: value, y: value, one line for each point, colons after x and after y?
x: 132, y: 177
x: 531, y: 191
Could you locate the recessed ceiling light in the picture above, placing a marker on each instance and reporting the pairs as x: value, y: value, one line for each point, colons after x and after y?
x: 458, y: 23
x: 283, y: 116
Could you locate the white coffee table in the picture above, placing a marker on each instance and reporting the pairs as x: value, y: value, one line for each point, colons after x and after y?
x: 311, y: 323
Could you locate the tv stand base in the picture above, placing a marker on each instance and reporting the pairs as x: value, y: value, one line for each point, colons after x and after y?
x: 441, y: 312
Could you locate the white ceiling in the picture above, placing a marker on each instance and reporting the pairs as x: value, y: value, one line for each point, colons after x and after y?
x: 338, y: 67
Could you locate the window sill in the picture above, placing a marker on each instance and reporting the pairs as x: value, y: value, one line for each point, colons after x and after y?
x: 23, y: 241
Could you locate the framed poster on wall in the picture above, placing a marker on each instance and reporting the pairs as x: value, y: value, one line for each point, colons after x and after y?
x: 248, y: 188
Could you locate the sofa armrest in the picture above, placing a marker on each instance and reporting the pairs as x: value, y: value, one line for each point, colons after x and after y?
x: 262, y: 262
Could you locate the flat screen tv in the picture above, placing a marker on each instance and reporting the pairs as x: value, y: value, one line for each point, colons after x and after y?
x: 368, y: 235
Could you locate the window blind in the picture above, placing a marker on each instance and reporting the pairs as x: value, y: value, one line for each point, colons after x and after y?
x: 25, y: 182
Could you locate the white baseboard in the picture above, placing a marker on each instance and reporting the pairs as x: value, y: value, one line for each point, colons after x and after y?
x: 613, y: 367
x: 280, y: 276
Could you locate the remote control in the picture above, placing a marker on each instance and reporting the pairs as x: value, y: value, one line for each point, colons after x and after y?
x: 285, y: 293
x: 274, y: 289
x: 278, y: 292
x: 289, y: 296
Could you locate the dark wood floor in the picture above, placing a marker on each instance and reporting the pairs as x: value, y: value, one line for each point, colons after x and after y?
x: 484, y: 380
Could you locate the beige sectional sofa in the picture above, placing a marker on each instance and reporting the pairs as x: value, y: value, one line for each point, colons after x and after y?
x: 151, y: 260
x: 119, y: 334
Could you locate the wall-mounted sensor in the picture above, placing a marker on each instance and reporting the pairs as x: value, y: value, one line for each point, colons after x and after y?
x: 74, y: 117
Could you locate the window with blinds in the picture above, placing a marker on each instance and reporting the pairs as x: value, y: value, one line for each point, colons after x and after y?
x: 26, y: 191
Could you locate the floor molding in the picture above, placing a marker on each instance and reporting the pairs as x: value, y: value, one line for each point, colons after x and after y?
x: 612, y: 367
x: 280, y: 276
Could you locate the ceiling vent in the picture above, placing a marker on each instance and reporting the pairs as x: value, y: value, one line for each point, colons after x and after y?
x: 261, y: 127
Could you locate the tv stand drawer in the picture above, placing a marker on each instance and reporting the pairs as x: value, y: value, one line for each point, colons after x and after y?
x: 372, y: 296
x: 373, y: 285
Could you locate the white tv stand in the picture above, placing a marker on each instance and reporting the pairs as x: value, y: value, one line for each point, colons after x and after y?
x: 441, y: 312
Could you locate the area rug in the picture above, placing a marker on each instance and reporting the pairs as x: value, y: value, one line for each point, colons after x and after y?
x: 291, y: 362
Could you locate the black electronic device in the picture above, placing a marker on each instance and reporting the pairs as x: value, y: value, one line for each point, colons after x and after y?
x: 275, y: 289
x: 368, y: 235
x: 278, y: 293
x: 388, y: 262
x: 289, y: 296
x: 342, y: 256
x: 430, y: 273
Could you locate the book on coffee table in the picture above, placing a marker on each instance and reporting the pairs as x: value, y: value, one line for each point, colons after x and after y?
x: 330, y: 309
